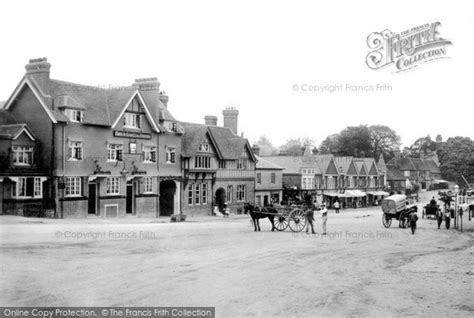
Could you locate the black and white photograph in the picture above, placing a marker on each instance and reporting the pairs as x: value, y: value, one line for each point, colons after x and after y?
x: 229, y: 158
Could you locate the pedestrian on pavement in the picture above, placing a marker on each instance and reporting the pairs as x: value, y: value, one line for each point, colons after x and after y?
x: 439, y: 217
x: 310, y: 207
x: 413, y: 218
x: 324, y: 215
x: 336, y: 206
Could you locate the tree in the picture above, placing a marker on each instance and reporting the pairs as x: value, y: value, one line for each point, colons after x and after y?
x: 422, y: 147
x: 330, y: 145
x: 266, y: 146
x: 384, y: 140
x: 355, y: 139
x: 456, y: 157
x: 296, y: 146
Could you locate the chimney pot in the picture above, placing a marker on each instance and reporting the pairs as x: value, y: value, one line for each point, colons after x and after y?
x: 147, y: 84
x: 210, y: 120
x: 256, y: 149
x: 38, y: 69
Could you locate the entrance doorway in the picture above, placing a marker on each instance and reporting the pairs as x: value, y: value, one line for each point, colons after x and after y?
x: 220, y: 198
x: 167, y: 192
x: 129, y: 204
x: 92, y: 204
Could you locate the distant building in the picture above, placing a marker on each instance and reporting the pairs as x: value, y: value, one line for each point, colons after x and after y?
x: 422, y: 172
x: 268, y: 181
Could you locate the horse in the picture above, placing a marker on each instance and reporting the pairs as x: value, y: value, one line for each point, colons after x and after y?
x: 255, y: 214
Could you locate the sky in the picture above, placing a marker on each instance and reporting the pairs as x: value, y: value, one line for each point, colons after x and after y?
x: 261, y: 57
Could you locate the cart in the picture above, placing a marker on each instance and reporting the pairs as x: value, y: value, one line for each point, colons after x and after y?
x: 396, y: 207
x: 293, y: 217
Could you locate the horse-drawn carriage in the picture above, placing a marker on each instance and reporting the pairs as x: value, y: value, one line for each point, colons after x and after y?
x: 397, y: 207
x: 430, y: 209
x: 281, y: 217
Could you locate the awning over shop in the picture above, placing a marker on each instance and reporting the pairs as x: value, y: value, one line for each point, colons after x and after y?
x: 354, y: 194
x: 378, y: 193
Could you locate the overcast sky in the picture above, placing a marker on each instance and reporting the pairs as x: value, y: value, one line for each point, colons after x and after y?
x: 250, y: 54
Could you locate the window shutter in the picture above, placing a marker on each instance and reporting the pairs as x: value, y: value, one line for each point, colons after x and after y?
x: 119, y: 154
x: 30, y: 186
x: 139, y: 121
x: 69, y: 151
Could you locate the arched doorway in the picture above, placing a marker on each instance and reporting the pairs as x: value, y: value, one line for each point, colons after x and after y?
x: 220, y: 198
x: 167, y: 192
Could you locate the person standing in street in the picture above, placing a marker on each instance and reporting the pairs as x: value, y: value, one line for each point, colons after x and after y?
x: 439, y: 217
x: 324, y: 215
x: 413, y: 218
x: 336, y: 206
x: 310, y: 207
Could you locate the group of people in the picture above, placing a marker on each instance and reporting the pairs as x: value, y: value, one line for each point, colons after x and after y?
x: 310, y: 207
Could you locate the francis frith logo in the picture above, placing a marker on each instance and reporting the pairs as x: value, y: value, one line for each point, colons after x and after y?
x: 407, y: 49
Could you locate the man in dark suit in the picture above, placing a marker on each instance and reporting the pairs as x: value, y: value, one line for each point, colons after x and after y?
x: 413, y: 218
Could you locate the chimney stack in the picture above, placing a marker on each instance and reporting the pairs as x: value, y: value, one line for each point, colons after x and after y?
x: 210, y: 120
x: 164, y: 99
x: 397, y: 157
x: 147, y: 84
x: 231, y: 119
x: 38, y: 70
x: 256, y: 149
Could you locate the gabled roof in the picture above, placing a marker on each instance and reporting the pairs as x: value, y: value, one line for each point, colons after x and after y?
x: 345, y: 165
x: 404, y: 164
x: 13, y: 131
x: 228, y: 145
x: 360, y: 165
x: 43, y: 99
x: 371, y: 166
x: 294, y: 164
x: 2, y: 103
x: 408, y: 163
x: 432, y: 166
x: 324, y: 162
x: 394, y: 174
x: 264, y: 164
x: 102, y: 107
x: 193, y: 136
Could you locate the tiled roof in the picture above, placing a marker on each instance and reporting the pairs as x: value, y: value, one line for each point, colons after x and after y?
x: 10, y: 131
x: 417, y: 164
x: 192, y: 137
x: 294, y: 164
x: 394, y: 174
x: 229, y: 146
x: 262, y: 163
x: 343, y: 163
x: 324, y: 161
x: 360, y: 165
x: 369, y: 163
x: 6, y: 118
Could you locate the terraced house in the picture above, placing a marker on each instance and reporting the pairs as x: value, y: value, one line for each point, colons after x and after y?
x: 91, y: 152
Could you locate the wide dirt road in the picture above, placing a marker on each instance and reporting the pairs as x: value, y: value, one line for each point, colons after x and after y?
x: 359, y: 269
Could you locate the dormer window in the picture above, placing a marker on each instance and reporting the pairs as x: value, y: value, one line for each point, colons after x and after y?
x: 22, y: 155
x: 204, y: 147
x: 132, y: 120
x: 171, y: 126
x: 74, y: 115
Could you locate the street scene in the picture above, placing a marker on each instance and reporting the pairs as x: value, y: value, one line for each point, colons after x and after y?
x: 236, y: 159
x: 359, y: 269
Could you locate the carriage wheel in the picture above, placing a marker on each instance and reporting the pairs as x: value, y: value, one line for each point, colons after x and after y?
x: 386, y: 221
x: 281, y: 222
x: 297, y: 220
